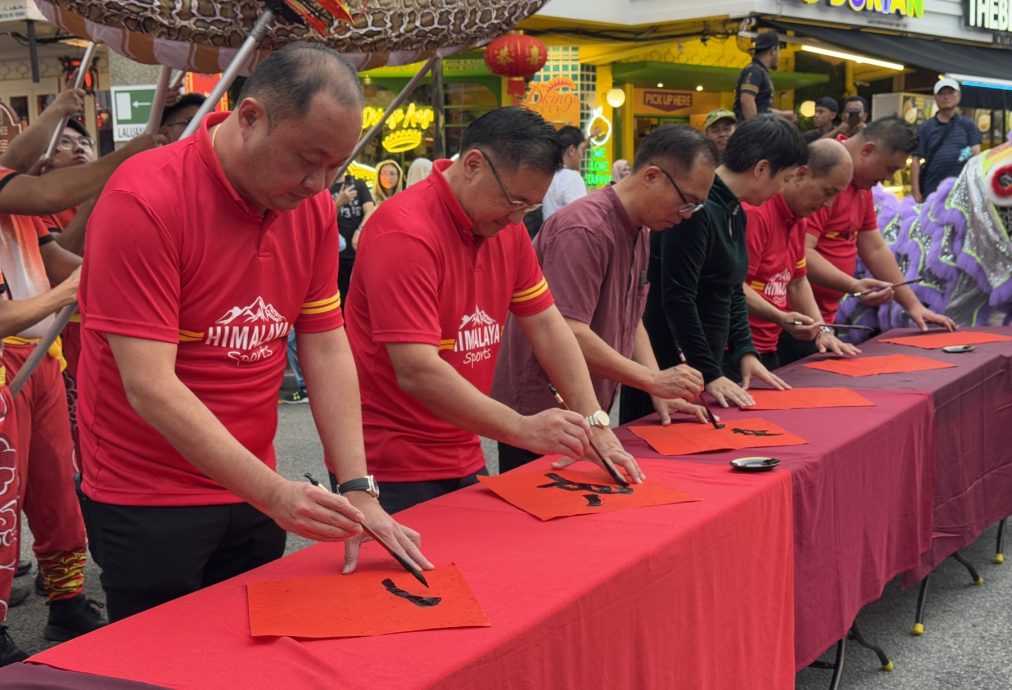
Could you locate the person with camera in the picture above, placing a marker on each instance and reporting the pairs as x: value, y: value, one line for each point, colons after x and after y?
x: 944, y: 143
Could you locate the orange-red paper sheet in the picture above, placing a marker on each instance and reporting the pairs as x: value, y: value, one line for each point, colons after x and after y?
x: 939, y: 340
x: 686, y: 438
x: 360, y: 605
x: 548, y: 493
x: 806, y: 398
x: 869, y: 366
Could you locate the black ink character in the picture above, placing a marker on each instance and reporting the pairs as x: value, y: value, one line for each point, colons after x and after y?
x: 424, y: 602
x: 753, y: 432
x: 593, y: 500
x: 560, y: 482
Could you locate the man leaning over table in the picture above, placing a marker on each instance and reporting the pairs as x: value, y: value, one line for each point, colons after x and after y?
x: 201, y: 256
x: 837, y: 235
x: 594, y: 254
x: 441, y: 266
x: 777, y: 292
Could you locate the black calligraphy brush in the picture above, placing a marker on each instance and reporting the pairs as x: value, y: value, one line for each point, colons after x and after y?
x: 400, y: 559
x: 709, y: 413
x: 608, y: 464
x: 894, y: 285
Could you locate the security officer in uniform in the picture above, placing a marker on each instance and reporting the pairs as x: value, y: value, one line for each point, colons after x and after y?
x: 754, y: 93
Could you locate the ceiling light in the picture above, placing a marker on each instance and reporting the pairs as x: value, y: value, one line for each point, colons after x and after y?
x: 860, y: 59
x: 615, y: 98
x: 660, y: 85
x: 699, y: 87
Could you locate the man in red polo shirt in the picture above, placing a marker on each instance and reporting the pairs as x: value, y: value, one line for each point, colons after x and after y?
x: 202, y: 255
x: 777, y: 292
x: 849, y: 228
x: 438, y: 270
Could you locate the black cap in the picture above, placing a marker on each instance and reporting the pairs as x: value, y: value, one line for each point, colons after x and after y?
x: 828, y: 103
x: 766, y: 40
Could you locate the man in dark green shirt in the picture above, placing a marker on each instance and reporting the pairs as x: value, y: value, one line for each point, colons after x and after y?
x: 696, y: 305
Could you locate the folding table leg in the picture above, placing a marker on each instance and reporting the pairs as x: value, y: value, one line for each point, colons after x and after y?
x: 855, y: 634
x: 977, y: 579
x: 836, y: 664
x: 919, y: 616
x: 999, y: 548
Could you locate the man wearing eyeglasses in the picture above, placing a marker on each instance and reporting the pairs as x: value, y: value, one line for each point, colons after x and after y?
x: 177, y: 116
x: 696, y: 304
x: 594, y: 254
x: 441, y: 267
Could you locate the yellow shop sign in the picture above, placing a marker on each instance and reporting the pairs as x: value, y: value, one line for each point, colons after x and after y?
x: 404, y: 128
x: 904, y: 8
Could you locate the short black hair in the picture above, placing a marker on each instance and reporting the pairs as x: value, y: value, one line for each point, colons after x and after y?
x: 765, y: 137
x: 289, y: 78
x: 185, y: 101
x: 75, y: 124
x: 570, y: 136
x: 855, y: 99
x: 515, y: 136
x: 891, y: 133
x: 678, y: 145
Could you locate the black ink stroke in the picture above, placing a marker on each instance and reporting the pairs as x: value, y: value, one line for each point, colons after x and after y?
x: 560, y: 482
x: 753, y: 432
x: 424, y: 602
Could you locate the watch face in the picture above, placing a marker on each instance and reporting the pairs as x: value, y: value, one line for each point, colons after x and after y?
x: 599, y: 418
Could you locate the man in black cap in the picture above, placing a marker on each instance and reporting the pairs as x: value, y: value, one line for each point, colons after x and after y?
x: 754, y: 93
x: 826, y: 109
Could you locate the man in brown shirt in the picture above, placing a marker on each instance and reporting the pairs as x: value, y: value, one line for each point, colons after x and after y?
x: 594, y: 255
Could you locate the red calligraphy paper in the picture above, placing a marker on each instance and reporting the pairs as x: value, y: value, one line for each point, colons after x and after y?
x: 806, y: 398
x: 548, y: 493
x: 939, y: 340
x: 870, y: 366
x: 689, y: 438
x: 361, y: 605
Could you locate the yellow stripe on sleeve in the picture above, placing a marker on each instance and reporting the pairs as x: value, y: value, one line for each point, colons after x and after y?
x: 802, y: 263
x: 322, y: 306
x: 757, y: 285
x: 190, y: 336
x: 532, y: 292
x: 447, y: 343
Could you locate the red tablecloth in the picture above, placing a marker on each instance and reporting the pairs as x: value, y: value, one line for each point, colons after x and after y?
x: 973, y: 419
x: 694, y: 595
x: 862, y: 503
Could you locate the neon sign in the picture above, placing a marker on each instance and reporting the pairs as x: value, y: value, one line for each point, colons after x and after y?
x: 404, y: 128
x: 598, y: 168
x: 905, y: 8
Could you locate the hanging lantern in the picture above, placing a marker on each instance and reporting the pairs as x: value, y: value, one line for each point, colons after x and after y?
x: 517, y: 57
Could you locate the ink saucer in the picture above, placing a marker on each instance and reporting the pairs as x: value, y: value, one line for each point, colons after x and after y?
x: 754, y: 464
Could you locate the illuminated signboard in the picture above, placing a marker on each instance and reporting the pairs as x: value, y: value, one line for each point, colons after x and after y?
x: 988, y: 15
x: 903, y: 8
x: 598, y: 168
x: 558, y: 101
x: 668, y: 101
x: 404, y: 128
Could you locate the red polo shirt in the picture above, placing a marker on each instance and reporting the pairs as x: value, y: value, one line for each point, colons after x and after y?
x: 853, y: 211
x: 175, y: 255
x: 776, y: 256
x: 422, y: 276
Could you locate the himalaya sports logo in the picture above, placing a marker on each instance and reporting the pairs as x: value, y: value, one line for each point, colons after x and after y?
x: 477, y: 334
x: 248, y: 332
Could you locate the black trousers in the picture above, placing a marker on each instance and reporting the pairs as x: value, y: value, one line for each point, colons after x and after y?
x: 398, y: 496
x: 791, y: 350
x: 511, y: 457
x: 151, y: 555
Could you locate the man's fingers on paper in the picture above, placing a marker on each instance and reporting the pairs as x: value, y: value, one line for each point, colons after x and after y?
x: 563, y: 463
x: 351, y: 549
x: 662, y: 405
x: 411, y: 543
x: 627, y: 463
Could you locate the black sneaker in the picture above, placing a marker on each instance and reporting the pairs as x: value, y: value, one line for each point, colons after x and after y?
x: 69, y: 618
x: 19, y: 594
x: 23, y: 568
x: 10, y: 653
x: 295, y: 397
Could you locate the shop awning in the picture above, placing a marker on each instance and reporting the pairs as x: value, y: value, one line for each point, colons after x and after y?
x: 674, y: 75
x: 930, y: 54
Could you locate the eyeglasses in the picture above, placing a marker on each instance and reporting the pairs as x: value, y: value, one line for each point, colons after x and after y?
x: 688, y: 208
x: 516, y: 206
x: 68, y: 143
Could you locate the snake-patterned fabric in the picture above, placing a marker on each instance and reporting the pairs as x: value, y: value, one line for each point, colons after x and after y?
x: 203, y: 35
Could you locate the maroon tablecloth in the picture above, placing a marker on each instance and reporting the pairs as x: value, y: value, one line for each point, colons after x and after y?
x: 862, y: 503
x: 973, y: 421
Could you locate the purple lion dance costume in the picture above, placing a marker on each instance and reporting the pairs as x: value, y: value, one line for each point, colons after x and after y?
x: 957, y: 241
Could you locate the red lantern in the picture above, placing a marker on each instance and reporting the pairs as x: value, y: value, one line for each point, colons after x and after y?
x: 517, y: 57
